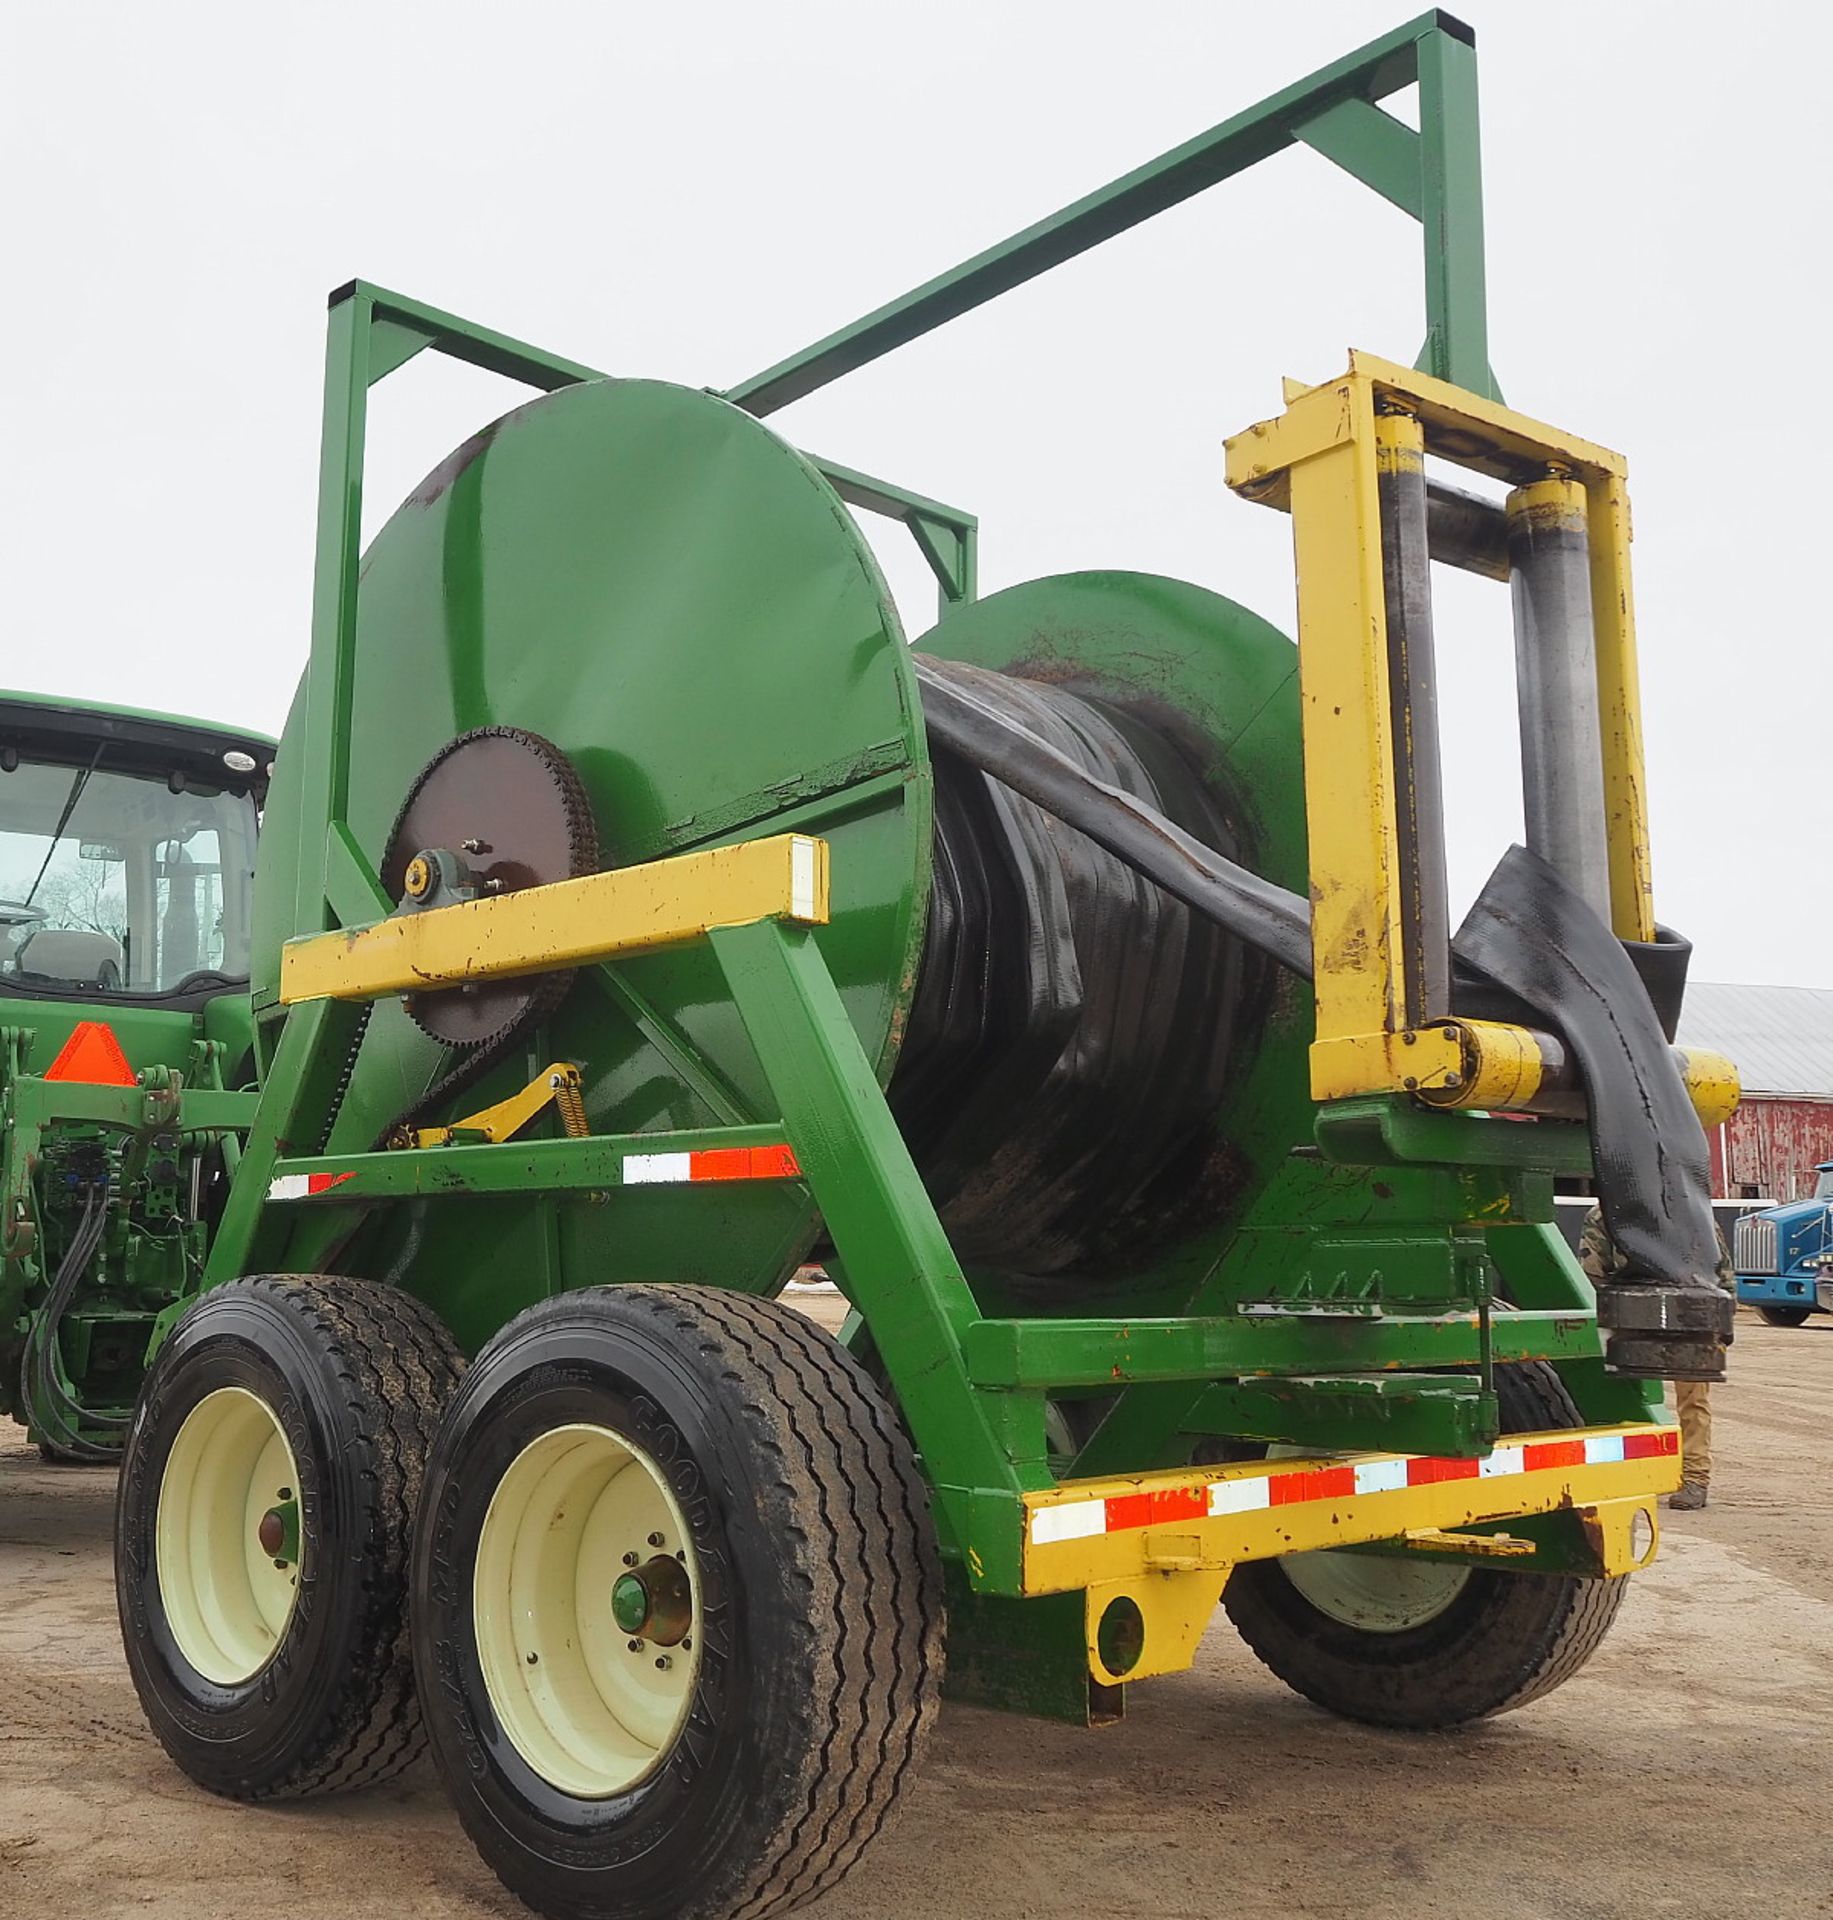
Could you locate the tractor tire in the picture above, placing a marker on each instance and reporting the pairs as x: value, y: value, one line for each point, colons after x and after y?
x: 1786, y: 1316
x: 305, y: 1405
x: 677, y: 1606
x: 1424, y: 1645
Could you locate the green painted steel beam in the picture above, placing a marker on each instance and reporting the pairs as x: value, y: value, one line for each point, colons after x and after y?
x: 1378, y: 149
x: 880, y: 496
x: 704, y: 1080
x: 1391, y: 1413
x: 905, y: 1278
x: 513, y: 1168
x: 1107, y: 1353
x: 399, y: 323
x: 1392, y: 1131
x: 1457, y: 325
x: 200, y: 1109
x: 1457, y: 339
x: 298, y: 1101
x: 947, y: 537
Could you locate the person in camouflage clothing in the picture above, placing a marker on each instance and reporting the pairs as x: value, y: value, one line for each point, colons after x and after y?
x: 1598, y: 1255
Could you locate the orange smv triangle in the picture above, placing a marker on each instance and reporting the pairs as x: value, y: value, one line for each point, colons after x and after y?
x: 93, y: 1055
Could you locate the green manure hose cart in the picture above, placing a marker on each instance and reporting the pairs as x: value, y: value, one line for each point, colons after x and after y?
x: 639, y: 917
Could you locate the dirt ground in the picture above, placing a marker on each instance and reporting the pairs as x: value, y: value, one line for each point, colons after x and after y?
x: 1688, y: 1770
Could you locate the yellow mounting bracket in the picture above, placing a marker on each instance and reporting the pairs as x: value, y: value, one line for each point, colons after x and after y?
x: 1320, y: 461
x: 555, y: 1085
x: 601, y: 916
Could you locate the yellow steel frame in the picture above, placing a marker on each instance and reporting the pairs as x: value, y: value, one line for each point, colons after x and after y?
x: 1174, y: 1573
x: 636, y: 909
x: 1319, y: 461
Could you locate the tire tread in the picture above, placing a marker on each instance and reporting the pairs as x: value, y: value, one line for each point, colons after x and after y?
x: 1495, y: 1675
x: 394, y: 1365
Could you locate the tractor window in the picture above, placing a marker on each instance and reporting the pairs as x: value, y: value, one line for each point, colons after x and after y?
x: 111, y: 882
x: 1823, y: 1187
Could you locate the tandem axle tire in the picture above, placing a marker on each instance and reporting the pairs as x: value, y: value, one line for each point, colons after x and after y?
x: 262, y: 1532
x: 677, y: 1606
x: 1426, y: 1644
x: 1786, y: 1316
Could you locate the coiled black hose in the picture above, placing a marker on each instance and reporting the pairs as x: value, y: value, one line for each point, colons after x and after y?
x: 1075, y: 1027
x: 1024, y: 919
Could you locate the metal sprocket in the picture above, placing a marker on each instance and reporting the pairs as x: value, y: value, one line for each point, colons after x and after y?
x: 510, y: 802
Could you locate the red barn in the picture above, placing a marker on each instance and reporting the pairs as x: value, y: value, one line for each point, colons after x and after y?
x: 1781, y: 1041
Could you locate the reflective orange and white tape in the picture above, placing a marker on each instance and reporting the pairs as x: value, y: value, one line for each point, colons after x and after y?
x: 712, y: 1163
x: 302, y: 1186
x: 1307, y: 1481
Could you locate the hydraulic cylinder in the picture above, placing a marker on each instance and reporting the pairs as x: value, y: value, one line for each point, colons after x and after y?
x: 1562, y: 764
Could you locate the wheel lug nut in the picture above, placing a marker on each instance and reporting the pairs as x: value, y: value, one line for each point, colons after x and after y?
x: 662, y: 1663
x: 636, y: 1646
x: 655, y: 1539
x: 630, y: 1559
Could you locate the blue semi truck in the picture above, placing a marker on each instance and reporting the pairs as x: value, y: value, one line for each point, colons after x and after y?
x: 1784, y: 1256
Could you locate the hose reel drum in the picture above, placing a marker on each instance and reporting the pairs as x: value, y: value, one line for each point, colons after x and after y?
x: 679, y: 606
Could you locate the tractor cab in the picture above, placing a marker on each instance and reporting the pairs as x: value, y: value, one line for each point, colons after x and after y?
x: 127, y: 852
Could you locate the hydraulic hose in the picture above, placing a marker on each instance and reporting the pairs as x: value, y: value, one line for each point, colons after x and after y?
x: 41, y: 1390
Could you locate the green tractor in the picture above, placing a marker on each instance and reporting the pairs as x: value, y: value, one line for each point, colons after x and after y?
x: 127, y: 852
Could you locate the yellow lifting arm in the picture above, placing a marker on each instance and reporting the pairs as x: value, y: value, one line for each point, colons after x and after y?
x: 557, y: 1084
x: 661, y: 903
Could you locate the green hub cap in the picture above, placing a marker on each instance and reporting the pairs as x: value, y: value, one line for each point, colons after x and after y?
x: 630, y: 1604
x: 657, y: 1602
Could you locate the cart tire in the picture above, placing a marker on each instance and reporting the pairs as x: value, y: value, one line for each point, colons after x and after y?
x: 609, y: 1425
x: 1496, y: 1640
x: 264, y: 1678
x: 1785, y: 1316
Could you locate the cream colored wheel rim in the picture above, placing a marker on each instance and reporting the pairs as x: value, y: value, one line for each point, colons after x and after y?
x: 227, y: 1598
x: 1374, y: 1594
x: 593, y: 1707
x: 1366, y: 1591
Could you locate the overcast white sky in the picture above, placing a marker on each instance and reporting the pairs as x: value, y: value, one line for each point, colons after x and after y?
x: 691, y: 191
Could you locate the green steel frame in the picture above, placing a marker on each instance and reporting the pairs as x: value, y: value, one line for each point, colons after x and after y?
x: 1434, y: 175
x: 976, y: 1390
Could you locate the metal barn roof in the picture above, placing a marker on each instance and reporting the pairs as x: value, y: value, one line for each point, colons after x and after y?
x: 1779, y: 1038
